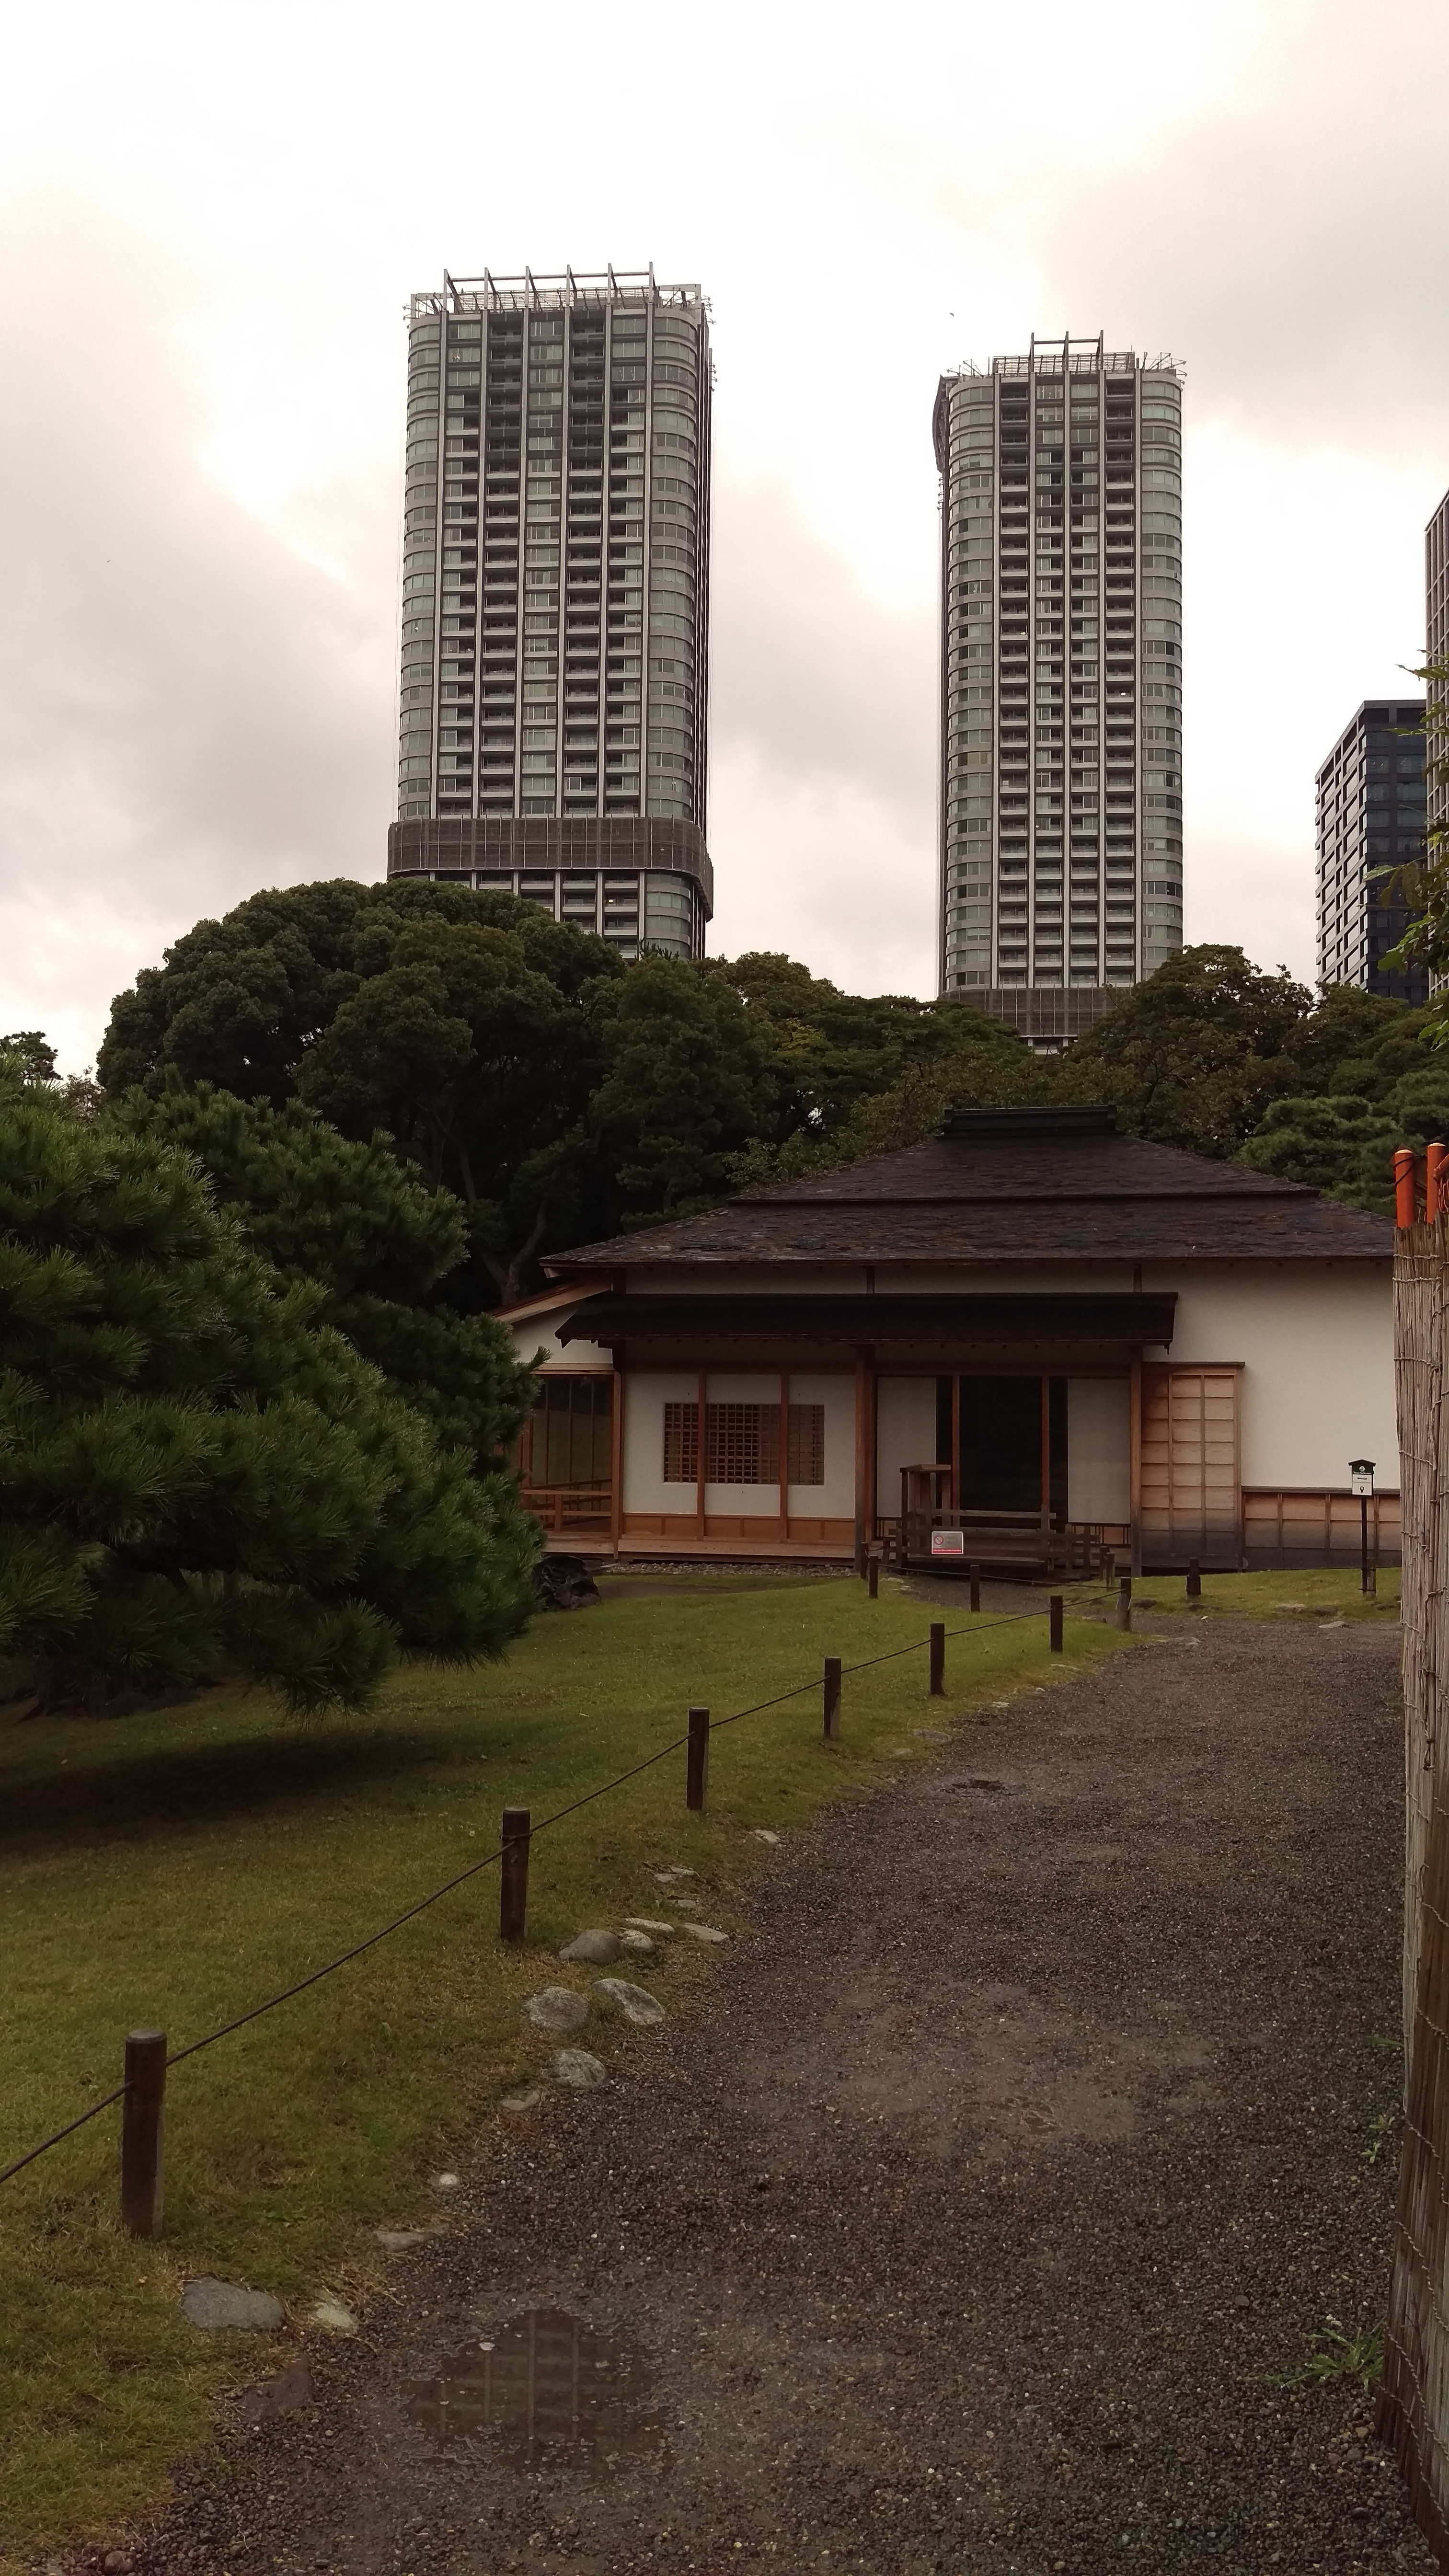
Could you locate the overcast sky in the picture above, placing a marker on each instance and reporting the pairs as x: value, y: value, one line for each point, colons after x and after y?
x: 212, y: 219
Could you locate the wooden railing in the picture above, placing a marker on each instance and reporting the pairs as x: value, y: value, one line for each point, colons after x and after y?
x: 583, y: 1510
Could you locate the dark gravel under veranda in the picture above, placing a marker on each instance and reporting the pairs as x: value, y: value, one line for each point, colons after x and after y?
x: 1013, y: 2148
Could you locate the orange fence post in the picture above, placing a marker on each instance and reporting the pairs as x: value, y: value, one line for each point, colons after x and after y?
x: 1405, y: 1193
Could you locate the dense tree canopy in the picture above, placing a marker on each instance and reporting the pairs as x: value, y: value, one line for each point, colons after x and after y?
x: 555, y: 1095
x: 195, y: 1469
x: 361, y: 1224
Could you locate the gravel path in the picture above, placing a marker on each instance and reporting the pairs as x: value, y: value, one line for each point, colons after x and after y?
x: 1015, y: 2144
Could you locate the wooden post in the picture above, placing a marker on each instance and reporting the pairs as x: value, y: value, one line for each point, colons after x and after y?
x: 872, y: 1576
x: 616, y: 1460
x: 938, y: 1659
x: 1055, y: 1608
x: 143, y: 2113
x: 697, y: 1781
x: 1373, y: 1574
x: 1124, y: 1602
x: 832, y: 1695
x: 975, y: 1587
x: 702, y: 1461
x: 1135, y: 1462
x: 1194, y: 1579
x: 784, y: 1457
x: 513, y: 1876
x: 1363, y: 1580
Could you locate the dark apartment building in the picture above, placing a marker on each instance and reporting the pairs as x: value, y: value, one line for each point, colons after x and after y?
x: 1371, y: 803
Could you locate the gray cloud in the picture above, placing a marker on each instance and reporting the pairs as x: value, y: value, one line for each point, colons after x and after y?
x: 187, y: 708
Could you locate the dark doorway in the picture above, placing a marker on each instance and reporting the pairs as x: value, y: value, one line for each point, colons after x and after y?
x: 1001, y: 1444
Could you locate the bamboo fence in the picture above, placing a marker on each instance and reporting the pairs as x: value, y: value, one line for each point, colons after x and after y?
x: 1413, y: 2408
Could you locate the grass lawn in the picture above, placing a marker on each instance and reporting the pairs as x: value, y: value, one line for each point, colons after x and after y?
x: 1268, y: 1596
x: 176, y: 1868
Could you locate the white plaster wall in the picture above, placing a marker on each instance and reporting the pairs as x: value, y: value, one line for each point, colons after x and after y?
x: 905, y: 1433
x: 835, y: 1499
x: 1317, y: 1344
x: 1099, y: 1449
x: 538, y: 1335
x: 645, y: 1395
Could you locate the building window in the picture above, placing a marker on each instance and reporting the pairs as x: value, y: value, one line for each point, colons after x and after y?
x: 572, y: 1432
x: 742, y: 1444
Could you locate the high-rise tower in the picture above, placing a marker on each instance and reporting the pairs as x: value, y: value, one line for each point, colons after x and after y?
x: 555, y: 601
x: 1370, y: 826
x: 1061, y: 680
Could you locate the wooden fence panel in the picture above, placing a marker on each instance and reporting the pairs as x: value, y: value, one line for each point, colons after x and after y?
x: 1413, y: 2408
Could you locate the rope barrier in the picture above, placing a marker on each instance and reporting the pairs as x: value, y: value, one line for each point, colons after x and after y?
x: 193, y: 2048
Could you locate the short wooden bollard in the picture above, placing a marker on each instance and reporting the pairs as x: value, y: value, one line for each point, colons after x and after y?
x: 513, y: 1878
x: 1109, y: 1568
x: 143, y: 2112
x: 697, y: 1781
x: 938, y: 1659
x: 975, y: 1587
x: 872, y: 1577
x: 1124, y: 1602
x: 1194, y: 1579
x: 832, y: 1695
x: 1055, y: 1608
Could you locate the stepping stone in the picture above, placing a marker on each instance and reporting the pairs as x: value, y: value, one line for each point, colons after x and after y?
x: 763, y: 1834
x: 634, y: 2003
x: 528, y: 2101
x: 686, y: 1904
x: 665, y: 1875
x: 598, y: 1949
x: 1290, y: 1605
x: 446, y: 2182
x: 576, y: 2067
x: 703, y: 1932
x: 222, y: 2307
x: 557, y: 2008
x: 396, y: 2240
x: 333, y: 2317
x: 650, y: 1923
x: 639, y: 1942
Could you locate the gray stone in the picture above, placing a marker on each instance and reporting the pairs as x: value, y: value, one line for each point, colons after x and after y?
x: 686, y: 1904
x: 703, y: 1932
x: 634, y: 2002
x: 650, y: 1923
x: 446, y: 2182
x: 576, y: 2067
x: 333, y: 2317
x: 597, y: 1948
x: 396, y: 2240
x: 763, y: 1834
x: 557, y: 2008
x: 221, y: 2307
x: 528, y: 2101
x: 639, y: 1942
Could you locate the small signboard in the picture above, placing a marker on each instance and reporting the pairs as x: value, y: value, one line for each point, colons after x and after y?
x: 948, y: 1542
x: 1361, y: 1475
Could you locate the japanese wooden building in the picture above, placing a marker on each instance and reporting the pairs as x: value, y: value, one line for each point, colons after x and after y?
x: 1051, y: 1337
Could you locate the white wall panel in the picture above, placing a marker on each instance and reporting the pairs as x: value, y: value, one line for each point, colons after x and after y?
x: 1317, y: 1344
x: 1099, y: 1449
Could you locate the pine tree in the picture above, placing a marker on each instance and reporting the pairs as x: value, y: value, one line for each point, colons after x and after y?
x: 197, y: 1473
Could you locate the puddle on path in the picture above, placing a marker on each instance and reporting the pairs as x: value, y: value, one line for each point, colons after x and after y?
x: 546, y: 2380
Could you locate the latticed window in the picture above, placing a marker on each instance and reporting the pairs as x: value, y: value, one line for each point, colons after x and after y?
x: 806, y: 1461
x: 742, y: 1444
